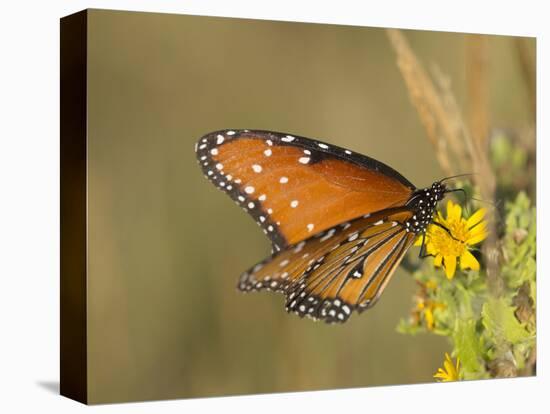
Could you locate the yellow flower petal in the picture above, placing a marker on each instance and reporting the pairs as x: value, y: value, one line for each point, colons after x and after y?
x: 450, y: 266
x: 449, y: 372
x: 437, y: 260
x: 477, y: 237
x: 454, y: 211
x: 440, y: 374
x: 481, y: 227
x: 429, y: 316
x: 448, y: 365
x: 430, y: 249
x: 476, y: 218
x: 468, y: 261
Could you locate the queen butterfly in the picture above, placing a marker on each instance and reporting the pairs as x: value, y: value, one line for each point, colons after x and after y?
x: 340, y: 222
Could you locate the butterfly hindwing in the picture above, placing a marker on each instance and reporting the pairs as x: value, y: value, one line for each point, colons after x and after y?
x: 339, y: 270
x: 295, y: 187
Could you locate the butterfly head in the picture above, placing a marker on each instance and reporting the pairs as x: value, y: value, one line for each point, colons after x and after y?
x: 439, y: 189
x: 423, y: 203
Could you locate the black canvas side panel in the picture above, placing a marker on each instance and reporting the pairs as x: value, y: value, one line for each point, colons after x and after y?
x: 73, y: 35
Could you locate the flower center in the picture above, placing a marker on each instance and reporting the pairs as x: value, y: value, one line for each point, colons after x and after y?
x: 445, y: 244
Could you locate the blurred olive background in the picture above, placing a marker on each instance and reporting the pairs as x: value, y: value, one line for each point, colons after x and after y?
x: 166, y: 248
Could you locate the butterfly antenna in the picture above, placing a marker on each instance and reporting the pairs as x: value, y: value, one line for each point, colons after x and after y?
x: 466, y: 197
x: 457, y: 176
x: 456, y: 190
x: 459, y: 190
x: 485, y: 202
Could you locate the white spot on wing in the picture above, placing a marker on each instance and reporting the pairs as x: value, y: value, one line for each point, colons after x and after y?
x: 304, y: 160
x: 294, y: 203
x: 283, y: 180
x: 299, y: 247
x: 257, y: 168
x: 327, y: 236
x: 248, y: 189
x: 288, y: 138
x: 310, y: 227
x: 220, y: 139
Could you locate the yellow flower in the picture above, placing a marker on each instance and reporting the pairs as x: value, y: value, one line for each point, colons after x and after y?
x: 425, y: 310
x: 431, y: 285
x: 466, y: 232
x: 449, y: 372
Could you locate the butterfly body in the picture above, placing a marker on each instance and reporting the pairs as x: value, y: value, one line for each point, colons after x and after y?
x: 340, y: 222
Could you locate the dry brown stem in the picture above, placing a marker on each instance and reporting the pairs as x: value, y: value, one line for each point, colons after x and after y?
x: 477, y: 78
x: 424, y: 97
x: 528, y: 67
x: 447, y: 131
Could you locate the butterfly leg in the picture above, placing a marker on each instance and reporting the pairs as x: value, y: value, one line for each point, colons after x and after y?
x: 447, y: 230
x: 422, y: 254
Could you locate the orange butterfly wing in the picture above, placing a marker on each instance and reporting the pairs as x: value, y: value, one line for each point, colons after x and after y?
x: 295, y: 187
x: 342, y: 269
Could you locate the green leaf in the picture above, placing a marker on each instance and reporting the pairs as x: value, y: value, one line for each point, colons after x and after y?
x: 468, y: 346
x: 500, y: 322
x: 519, y: 243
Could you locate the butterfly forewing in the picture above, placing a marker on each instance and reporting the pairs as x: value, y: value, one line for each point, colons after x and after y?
x: 295, y: 187
x: 344, y: 268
